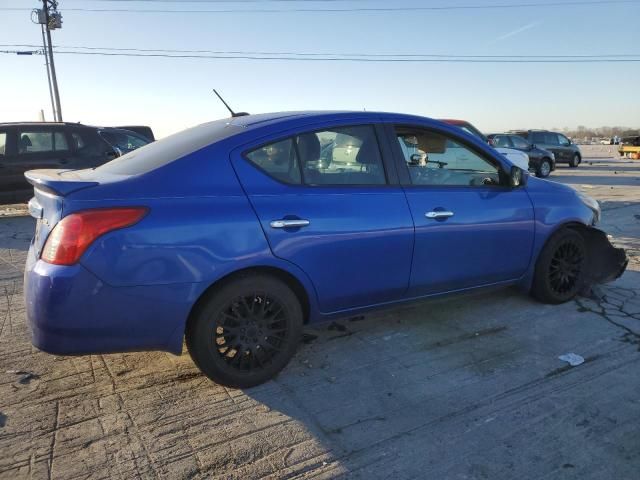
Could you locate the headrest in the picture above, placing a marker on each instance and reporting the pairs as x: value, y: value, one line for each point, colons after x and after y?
x: 309, y: 147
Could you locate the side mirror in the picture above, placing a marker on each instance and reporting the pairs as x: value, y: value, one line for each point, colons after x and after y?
x: 415, y: 159
x: 532, y: 146
x: 518, y: 177
x: 115, y: 153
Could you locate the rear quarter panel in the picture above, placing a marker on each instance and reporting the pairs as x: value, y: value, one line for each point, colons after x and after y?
x: 200, y: 227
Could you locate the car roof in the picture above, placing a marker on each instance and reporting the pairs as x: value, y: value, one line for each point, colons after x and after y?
x: 249, y: 122
x: 453, y: 121
x: 45, y: 124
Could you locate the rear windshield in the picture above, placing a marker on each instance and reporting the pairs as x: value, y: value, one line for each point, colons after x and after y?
x: 162, y: 152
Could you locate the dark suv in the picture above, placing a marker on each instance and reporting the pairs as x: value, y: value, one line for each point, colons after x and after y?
x: 34, y: 145
x: 541, y: 161
x: 564, y: 149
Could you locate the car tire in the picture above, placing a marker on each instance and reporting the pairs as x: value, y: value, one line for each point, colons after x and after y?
x: 544, y: 169
x: 246, y: 331
x: 561, y: 268
x: 575, y: 161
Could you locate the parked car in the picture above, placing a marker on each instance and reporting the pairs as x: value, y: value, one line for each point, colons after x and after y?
x: 233, y: 234
x: 516, y: 157
x: 563, y: 148
x: 541, y: 161
x: 32, y: 145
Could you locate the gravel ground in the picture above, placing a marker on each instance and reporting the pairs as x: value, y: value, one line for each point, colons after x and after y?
x: 463, y: 388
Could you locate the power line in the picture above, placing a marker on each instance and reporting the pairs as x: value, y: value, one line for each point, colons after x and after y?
x: 323, y: 54
x: 352, y: 59
x: 351, y: 9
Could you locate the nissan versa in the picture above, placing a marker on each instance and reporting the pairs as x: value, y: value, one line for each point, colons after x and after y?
x: 235, y: 233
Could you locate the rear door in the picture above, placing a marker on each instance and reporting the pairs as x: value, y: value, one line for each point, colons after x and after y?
x: 36, y: 147
x: 471, y: 229
x: 329, y: 204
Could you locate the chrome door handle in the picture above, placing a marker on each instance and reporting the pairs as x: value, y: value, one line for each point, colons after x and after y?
x: 293, y: 223
x: 439, y: 214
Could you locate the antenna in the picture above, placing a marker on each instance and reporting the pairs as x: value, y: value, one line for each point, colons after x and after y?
x: 233, y: 114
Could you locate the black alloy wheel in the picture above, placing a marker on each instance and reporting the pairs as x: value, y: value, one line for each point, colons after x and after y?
x: 565, y: 267
x: 246, y: 331
x: 561, y: 267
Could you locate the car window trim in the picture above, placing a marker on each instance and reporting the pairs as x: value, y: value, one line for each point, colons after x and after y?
x: 291, y: 136
x: 403, y: 170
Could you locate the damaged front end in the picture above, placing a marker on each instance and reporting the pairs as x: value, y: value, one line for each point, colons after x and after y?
x: 606, y: 262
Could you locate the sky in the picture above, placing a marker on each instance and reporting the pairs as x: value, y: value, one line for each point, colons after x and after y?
x: 171, y: 94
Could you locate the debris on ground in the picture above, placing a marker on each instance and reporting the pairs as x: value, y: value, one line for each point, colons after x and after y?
x: 572, y: 359
x: 25, y: 376
x: 337, y: 326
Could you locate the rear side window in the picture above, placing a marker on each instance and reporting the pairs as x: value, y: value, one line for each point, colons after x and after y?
x: 520, y: 143
x: 3, y: 143
x: 339, y: 156
x: 41, y: 141
x: 279, y: 160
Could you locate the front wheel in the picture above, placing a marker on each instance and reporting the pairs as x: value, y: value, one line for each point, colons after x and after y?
x: 575, y: 161
x: 561, y: 267
x: 544, y: 169
x: 245, y: 332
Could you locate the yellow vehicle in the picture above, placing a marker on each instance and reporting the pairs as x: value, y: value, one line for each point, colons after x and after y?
x: 630, y: 147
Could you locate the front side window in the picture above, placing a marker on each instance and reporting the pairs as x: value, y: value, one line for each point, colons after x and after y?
x: 41, y: 141
x: 564, y: 141
x: 501, y: 141
x: 435, y: 159
x: 519, y: 143
x: 337, y: 156
x: 86, y: 144
x: 124, y: 141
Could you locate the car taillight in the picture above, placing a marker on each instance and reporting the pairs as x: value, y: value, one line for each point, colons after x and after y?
x: 74, y: 233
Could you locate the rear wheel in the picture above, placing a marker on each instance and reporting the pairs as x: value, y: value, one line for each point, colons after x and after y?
x: 245, y: 332
x: 575, y: 161
x: 561, y: 266
x: 544, y: 169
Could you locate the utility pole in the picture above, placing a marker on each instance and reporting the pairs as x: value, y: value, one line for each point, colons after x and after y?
x: 46, y: 61
x: 50, y: 19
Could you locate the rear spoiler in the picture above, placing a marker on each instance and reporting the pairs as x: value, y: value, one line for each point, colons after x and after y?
x: 53, y: 181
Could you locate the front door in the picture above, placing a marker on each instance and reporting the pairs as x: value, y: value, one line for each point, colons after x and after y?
x: 326, y: 204
x: 471, y: 229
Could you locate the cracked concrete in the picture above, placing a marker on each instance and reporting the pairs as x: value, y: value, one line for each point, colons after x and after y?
x: 465, y: 388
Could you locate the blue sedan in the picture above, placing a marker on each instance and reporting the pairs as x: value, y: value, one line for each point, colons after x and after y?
x: 236, y: 233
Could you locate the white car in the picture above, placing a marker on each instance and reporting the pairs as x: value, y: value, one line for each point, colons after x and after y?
x: 518, y: 158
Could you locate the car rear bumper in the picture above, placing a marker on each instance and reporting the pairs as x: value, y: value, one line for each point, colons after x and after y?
x: 71, y: 312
